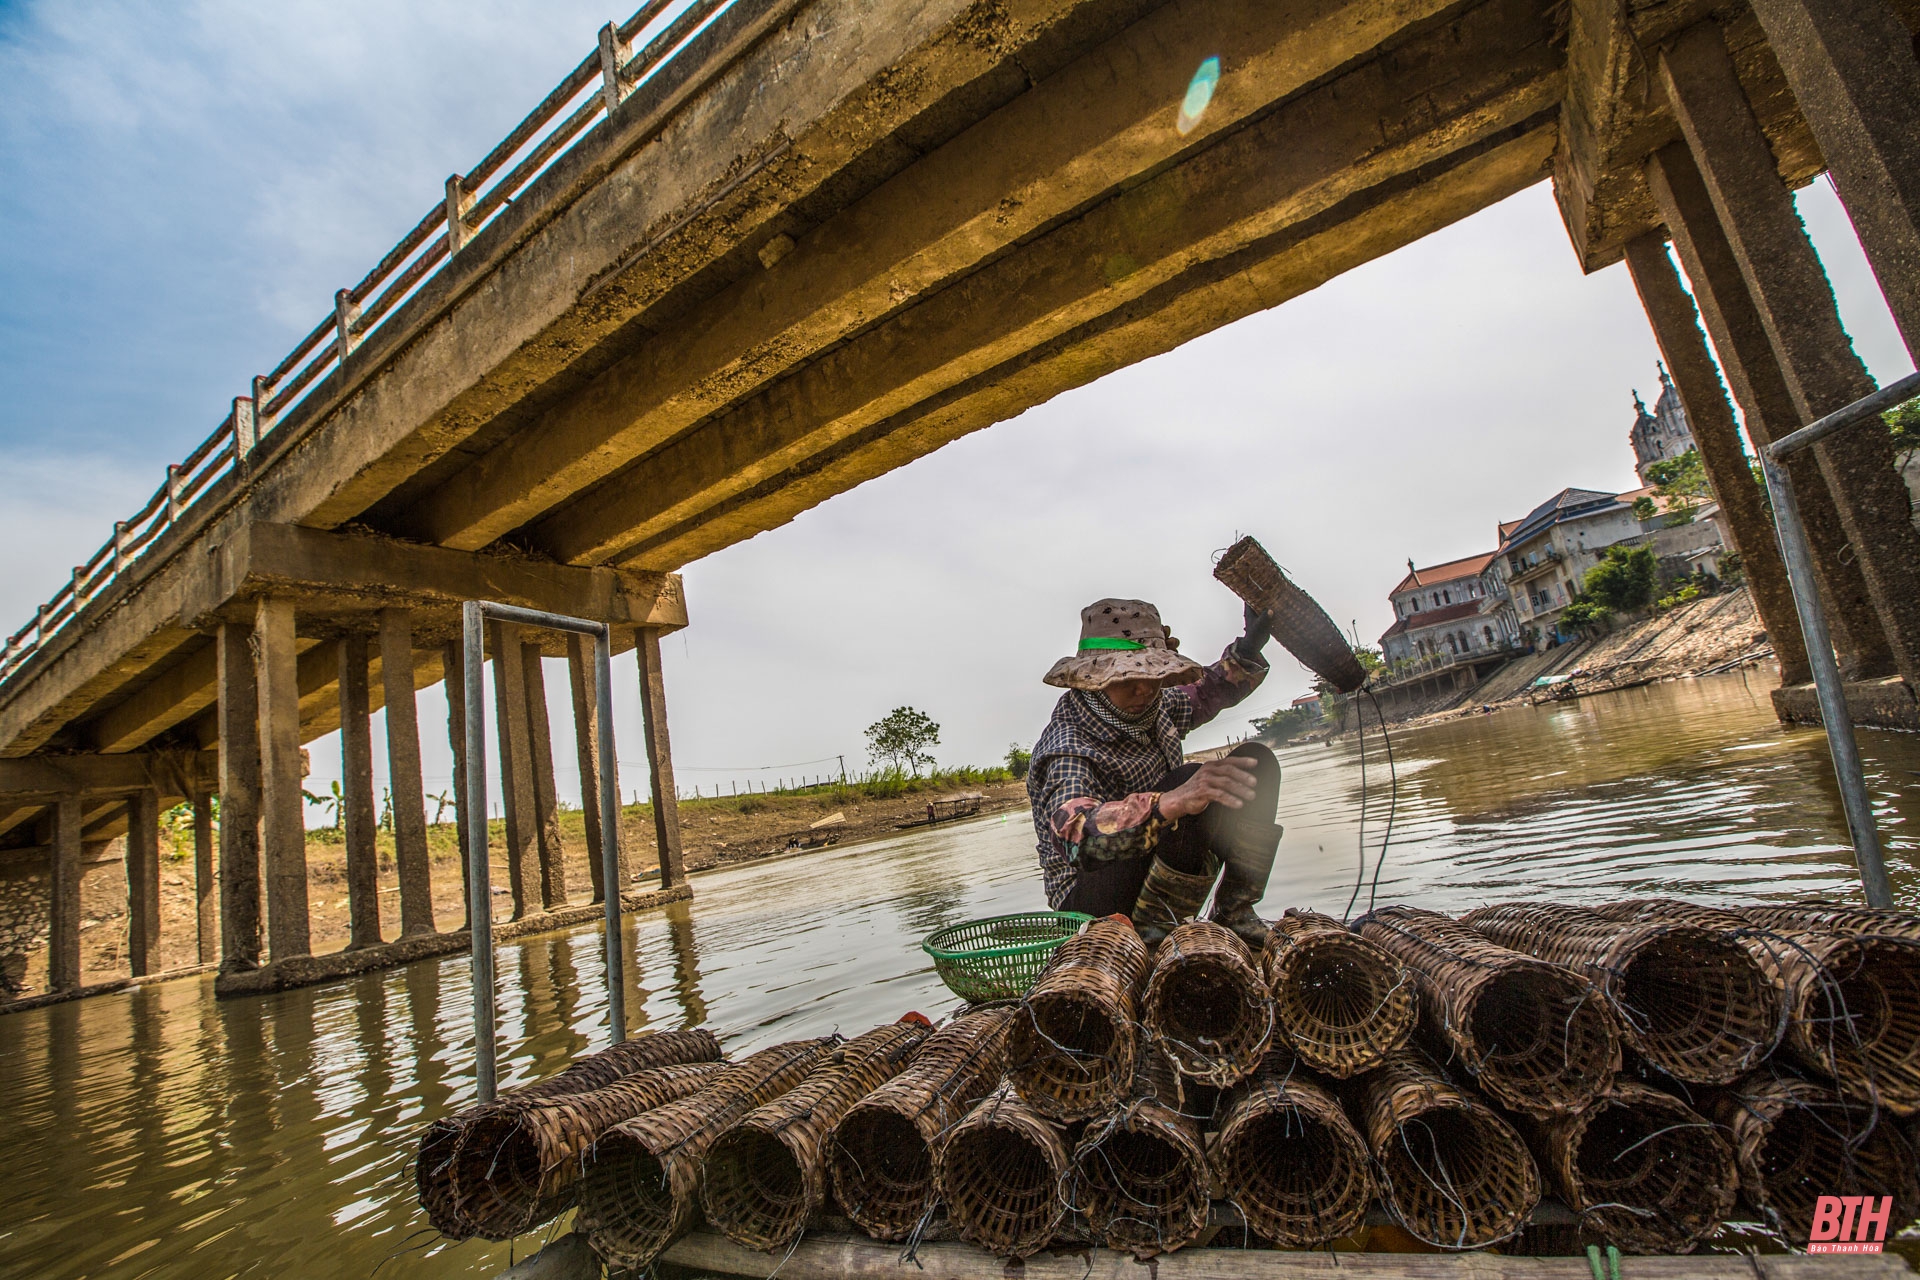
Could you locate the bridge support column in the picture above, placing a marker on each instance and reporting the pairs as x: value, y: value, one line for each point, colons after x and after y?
x: 143, y: 882
x: 516, y: 767
x: 454, y: 663
x: 1760, y: 388
x: 206, y: 904
x: 1852, y: 68
x: 582, y: 676
x: 403, y: 773
x: 666, y: 802
x: 1676, y: 330
x: 63, y: 932
x: 546, y: 799
x: 356, y: 796
x: 1795, y: 300
x: 238, y: 709
x: 283, y: 833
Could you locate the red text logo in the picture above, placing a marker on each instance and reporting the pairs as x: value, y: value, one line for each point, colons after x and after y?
x: 1849, y: 1224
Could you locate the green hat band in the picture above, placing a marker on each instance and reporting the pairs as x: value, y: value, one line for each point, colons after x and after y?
x: 1109, y: 642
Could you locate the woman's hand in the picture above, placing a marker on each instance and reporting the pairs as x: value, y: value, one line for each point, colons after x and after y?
x: 1229, y: 781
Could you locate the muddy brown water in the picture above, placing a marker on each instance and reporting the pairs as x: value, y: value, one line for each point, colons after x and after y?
x: 159, y: 1133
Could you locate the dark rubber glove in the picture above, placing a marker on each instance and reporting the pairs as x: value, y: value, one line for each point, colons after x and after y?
x: 1259, y: 631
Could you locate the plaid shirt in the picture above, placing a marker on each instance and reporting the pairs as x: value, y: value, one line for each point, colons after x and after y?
x: 1088, y: 780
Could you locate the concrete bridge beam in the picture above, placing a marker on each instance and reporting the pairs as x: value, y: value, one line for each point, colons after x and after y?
x: 1797, y: 309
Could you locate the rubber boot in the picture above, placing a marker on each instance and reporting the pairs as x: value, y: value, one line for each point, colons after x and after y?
x: 1168, y: 898
x: 1248, y: 849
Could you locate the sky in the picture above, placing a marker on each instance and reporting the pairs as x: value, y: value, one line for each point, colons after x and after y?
x: 183, y: 187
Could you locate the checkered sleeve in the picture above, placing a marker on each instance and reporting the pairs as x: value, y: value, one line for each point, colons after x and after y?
x: 1224, y: 684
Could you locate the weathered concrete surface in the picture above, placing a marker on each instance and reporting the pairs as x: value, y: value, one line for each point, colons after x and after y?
x: 1881, y: 704
x: 307, y: 971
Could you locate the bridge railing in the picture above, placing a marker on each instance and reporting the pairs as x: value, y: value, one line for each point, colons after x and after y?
x: 590, y: 92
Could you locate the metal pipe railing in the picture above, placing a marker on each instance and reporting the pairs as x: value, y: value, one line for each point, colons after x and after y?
x: 473, y: 618
x: 1827, y: 685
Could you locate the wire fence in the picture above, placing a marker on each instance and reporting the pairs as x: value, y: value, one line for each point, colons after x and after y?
x: 470, y: 203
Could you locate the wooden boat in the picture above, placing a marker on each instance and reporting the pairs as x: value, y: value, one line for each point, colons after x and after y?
x: 964, y: 805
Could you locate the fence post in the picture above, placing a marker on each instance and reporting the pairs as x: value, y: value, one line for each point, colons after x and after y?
x: 174, y: 505
x: 119, y: 545
x: 346, y: 314
x: 244, y: 436
x: 40, y: 624
x: 614, y: 53
x: 262, y: 415
x: 79, y: 585
x: 458, y: 202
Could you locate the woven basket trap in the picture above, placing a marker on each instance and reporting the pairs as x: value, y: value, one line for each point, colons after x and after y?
x: 880, y: 1158
x: 999, y: 1175
x: 1290, y: 1158
x: 1642, y: 1169
x: 643, y: 1183
x: 767, y: 1174
x: 1073, y: 1041
x: 1850, y: 920
x: 1691, y: 1000
x: 440, y: 1141
x: 1139, y: 1174
x: 1452, y: 1171
x: 517, y: 1167
x: 1796, y: 1140
x: 1535, y: 1036
x: 1341, y: 1002
x: 1298, y: 623
x: 998, y: 958
x: 1205, y: 1006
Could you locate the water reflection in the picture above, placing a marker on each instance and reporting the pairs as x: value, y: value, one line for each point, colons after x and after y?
x: 158, y: 1133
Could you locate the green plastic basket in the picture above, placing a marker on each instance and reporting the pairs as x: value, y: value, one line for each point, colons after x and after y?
x: 998, y: 958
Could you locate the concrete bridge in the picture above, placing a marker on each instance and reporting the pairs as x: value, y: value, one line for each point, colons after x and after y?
x: 743, y: 262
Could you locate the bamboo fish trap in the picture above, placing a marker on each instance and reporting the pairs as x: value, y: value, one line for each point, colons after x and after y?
x: 1452, y: 1172
x: 1072, y: 1044
x: 1298, y: 623
x: 999, y: 1175
x: 1290, y: 1159
x: 1532, y: 1034
x: 643, y: 1183
x: 767, y: 1175
x: 440, y: 1141
x: 1689, y: 999
x: 1852, y: 999
x: 1641, y: 1168
x: 518, y: 1166
x: 1341, y: 1002
x: 1140, y: 1173
x: 1848, y: 920
x: 1796, y: 1141
x: 1205, y: 1007
x: 880, y: 1158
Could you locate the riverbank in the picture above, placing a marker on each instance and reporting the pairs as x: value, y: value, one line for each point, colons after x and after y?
x: 715, y: 831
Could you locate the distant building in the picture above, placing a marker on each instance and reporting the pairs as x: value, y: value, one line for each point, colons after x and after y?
x: 1662, y: 434
x: 1450, y: 608
x: 1547, y: 552
x: 1309, y: 703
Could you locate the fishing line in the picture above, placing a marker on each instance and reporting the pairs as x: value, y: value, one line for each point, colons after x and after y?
x: 1360, y: 723
x: 1393, y: 799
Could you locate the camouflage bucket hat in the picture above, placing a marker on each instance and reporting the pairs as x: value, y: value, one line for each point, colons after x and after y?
x: 1123, y: 640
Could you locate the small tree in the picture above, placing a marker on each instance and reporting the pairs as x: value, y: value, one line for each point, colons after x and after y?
x: 1586, y: 617
x: 902, y: 739
x: 1019, y: 759
x: 1623, y: 580
x: 1904, y: 422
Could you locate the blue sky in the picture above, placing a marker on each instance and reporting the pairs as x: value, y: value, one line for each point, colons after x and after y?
x: 183, y: 187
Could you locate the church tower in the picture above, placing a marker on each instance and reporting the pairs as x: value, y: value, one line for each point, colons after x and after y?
x: 1661, y: 434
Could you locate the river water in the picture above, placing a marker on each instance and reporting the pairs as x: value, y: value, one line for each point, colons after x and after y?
x: 159, y: 1133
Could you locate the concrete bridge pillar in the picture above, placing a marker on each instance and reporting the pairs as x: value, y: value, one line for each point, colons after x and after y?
x: 359, y: 817
x: 283, y: 833
x: 516, y: 762
x: 546, y: 799
x: 237, y: 706
x: 1677, y: 331
x: 1785, y: 279
x: 403, y: 771
x: 454, y: 663
x: 583, y: 676
x: 63, y: 934
x: 666, y: 802
x: 206, y: 904
x: 1852, y: 68
x: 143, y: 882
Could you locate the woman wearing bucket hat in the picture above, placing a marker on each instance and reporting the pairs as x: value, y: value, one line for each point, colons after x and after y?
x: 1124, y: 824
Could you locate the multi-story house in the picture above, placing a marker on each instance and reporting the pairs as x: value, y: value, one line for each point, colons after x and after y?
x: 1548, y: 551
x: 1662, y: 434
x: 1449, y: 608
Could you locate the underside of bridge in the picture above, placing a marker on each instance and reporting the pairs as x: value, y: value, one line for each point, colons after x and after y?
x: 856, y: 230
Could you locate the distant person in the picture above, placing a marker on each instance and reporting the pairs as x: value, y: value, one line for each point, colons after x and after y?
x: 1125, y: 826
